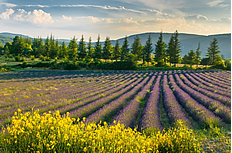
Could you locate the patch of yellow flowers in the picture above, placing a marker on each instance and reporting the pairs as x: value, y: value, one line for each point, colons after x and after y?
x: 32, y: 132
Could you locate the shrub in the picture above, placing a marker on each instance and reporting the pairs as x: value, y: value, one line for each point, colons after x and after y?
x: 17, y: 58
x: 31, y: 132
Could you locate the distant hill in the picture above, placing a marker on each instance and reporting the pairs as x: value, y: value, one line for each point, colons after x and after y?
x: 188, y: 41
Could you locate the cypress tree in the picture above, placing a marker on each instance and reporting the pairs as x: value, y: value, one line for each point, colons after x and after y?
x: 198, y: 55
x: 160, y: 51
x: 116, y: 51
x: 98, y: 49
x: 174, y: 49
x: 82, y: 49
x: 213, y: 51
x: 137, y: 48
x: 47, y: 47
x: 177, y: 49
x: 170, y: 50
x: 125, y: 49
x: 72, y: 48
x: 191, y: 57
x: 90, y: 48
x: 107, y: 49
x: 148, y: 50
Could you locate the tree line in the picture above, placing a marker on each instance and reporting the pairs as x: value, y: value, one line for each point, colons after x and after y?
x: 163, y: 53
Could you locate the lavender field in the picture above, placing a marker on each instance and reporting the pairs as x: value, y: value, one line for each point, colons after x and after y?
x: 142, y: 99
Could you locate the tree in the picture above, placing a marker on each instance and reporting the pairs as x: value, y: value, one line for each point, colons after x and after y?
x: 174, y: 49
x: 57, y: 48
x: 198, y: 55
x: 47, y: 47
x: 170, y: 50
x: 63, y: 51
x: 7, y: 47
x: 53, y: 50
x: 137, y: 48
x: 98, y: 49
x: 160, y: 51
x: 205, y: 61
x: 116, y: 51
x: 20, y: 46
x: 90, y: 48
x: 177, y: 49
x: 82, y: 49
x: 213, y: 51
x: 72, y: 49
x: 125, y: 49
x: 191, y: 57
x: 13, y: 49
x: 107, y: 49
x: 148, y: 50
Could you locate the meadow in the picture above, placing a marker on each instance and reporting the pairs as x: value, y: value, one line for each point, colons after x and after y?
x: 167, y: 109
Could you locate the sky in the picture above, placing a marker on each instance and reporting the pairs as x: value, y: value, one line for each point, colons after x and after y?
x: 113, y: 18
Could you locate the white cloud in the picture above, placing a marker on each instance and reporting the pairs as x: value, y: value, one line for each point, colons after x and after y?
x: 159, y: 13
x: 88, y: 18
x: 128, y: 21
x: 158, y: 4
x: 108, y: 20
x: 9, y: 4
x: 225, y: 19
x: 6, y: 14
x: 66, y: 18
x: 106, y: 7
x: 202, y: 17
x: 37, y: 16
x: 42, y: 6
x: 217, y: 3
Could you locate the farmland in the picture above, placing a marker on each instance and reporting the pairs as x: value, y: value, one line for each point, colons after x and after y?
x: 138, y: 99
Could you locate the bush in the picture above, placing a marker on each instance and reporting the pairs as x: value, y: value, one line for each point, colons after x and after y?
x: 31, y: 132
x: 32, y: 57
x: 17, y: 58
x: 24, y: 65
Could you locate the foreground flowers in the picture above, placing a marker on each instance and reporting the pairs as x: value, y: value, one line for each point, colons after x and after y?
x: 32, y: 132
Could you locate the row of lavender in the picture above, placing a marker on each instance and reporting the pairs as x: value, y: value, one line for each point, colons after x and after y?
x: 66, y: 89
x: 132, y: 98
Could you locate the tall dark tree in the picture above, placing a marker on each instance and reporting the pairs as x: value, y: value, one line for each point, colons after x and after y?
x: 98, y: 49
x: 47, y: 47
x: 90, y: 48
x: 107, y: 49
x: 198, y: 55
x: 191, y: 57
x: 63, y: 51
x: 7, y: 48
x: 82, y: 49
x: 116, y: 51
x: 174, y: 49
x: 53, y: 51
x: 177, y: 48
x: 148, y: 50
x: 20, y: 46
x: 13, y: 49
x: 170, y: 50
x: 125, y: 49
x: 137, y: 48
x: 41, y: 48
x: 72, y: 49
x: 160, y: 51
x: 57, y: 48
x: 213, y: 51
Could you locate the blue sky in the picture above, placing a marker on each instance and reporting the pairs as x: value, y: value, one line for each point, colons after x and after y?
x: 113, y: 18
